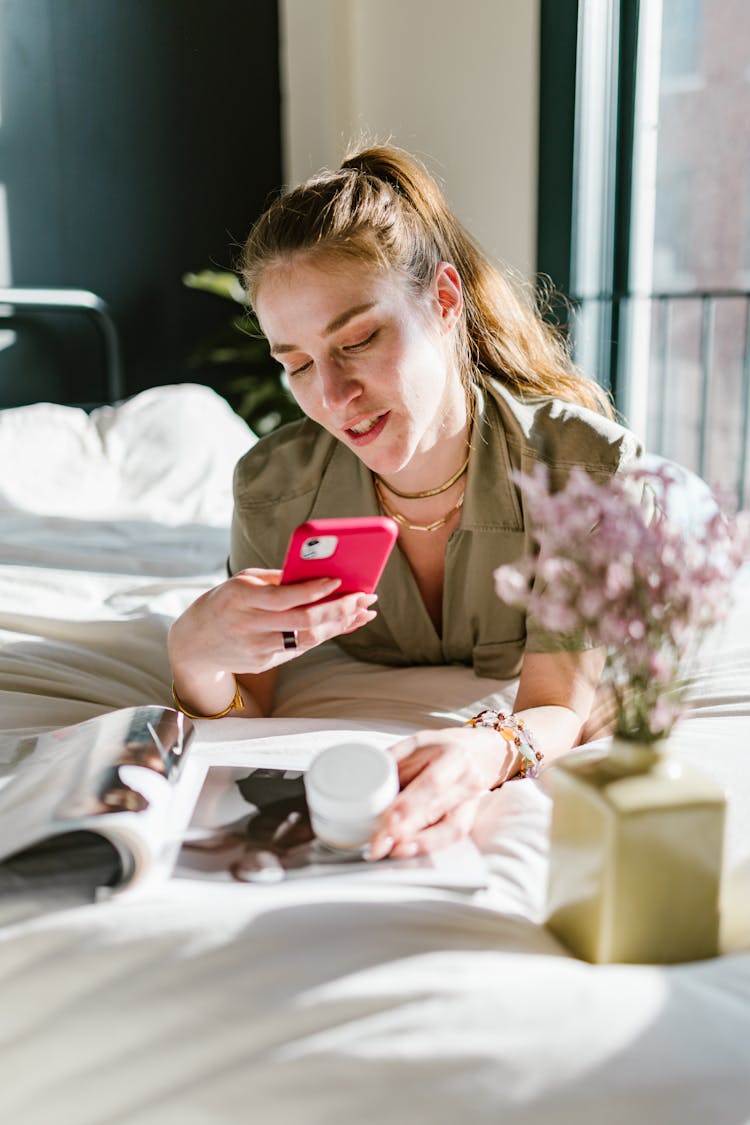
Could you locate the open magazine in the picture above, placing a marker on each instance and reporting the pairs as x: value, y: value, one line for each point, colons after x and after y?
x: 251, y: 825
x: 113, y: 794
x: 134, y: 797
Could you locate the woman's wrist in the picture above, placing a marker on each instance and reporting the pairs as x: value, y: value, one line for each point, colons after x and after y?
x: 200, y: 692
x: 521, y: 757
x: 236, y: 703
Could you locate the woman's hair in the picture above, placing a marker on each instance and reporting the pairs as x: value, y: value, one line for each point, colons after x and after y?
x: 384, y: 207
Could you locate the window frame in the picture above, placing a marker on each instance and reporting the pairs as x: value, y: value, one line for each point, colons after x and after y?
x: 563, y: 63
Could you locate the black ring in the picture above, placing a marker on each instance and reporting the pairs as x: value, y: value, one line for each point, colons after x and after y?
x: 290, y: 638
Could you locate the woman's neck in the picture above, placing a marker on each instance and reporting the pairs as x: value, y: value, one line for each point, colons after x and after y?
x: 430, y: 467
x: 432, y: 471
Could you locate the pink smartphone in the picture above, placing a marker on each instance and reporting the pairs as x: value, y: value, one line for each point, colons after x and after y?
x: 354, y: 550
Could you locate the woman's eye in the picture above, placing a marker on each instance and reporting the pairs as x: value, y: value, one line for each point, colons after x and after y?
x: 361, y: 343
x: 357, y: 347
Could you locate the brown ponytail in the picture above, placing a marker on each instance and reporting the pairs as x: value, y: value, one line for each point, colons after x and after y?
x: 382, y: 205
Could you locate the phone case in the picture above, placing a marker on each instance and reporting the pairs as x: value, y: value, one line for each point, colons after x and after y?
x: 354, y: 550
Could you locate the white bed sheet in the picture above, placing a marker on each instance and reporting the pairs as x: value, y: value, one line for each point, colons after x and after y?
x: 203, y: 1004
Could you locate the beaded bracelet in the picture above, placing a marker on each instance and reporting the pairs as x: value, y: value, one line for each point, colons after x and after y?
x: 237, y: 704
x: 514, y: 731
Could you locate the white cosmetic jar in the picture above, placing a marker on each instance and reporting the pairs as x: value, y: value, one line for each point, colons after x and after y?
x: 348, y: 787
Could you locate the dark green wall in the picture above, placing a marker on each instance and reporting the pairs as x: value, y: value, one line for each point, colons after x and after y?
x: 557, y: 67
x: 139, y: 139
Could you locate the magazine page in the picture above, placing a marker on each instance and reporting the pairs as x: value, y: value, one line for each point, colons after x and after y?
x: 124, y: 776
x: 251, y: 824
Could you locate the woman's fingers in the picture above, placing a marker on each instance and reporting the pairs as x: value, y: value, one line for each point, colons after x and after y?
x: 424, y: 802
x: 440, y: 772
x: 262, y: 632
x: 268, y: 593
x: 440, y: 784
x: 262, y: 603
x: 239, y: 624
x: 312, y: 637
x: 340, y: 612
x: 453, y: 826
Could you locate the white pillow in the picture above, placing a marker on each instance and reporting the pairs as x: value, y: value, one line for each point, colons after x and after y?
x: 165, y: 455
x: 689, y: 503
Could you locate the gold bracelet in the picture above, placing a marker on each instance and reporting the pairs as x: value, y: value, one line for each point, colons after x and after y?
x: 516, y: 734
x: 237, y: 704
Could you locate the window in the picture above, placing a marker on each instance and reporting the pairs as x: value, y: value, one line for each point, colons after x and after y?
x: 660, y: 222
x: 682, y: 40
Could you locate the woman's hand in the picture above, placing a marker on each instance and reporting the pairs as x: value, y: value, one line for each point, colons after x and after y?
x: 238, y: 625
x: 443, y: 774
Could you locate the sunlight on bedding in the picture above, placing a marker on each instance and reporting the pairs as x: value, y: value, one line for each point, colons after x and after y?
x: 399, y: 1004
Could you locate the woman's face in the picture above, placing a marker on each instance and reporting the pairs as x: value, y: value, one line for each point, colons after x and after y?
x: 365, y: 359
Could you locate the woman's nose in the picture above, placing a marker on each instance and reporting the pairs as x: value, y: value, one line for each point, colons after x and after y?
x: 339, y: 386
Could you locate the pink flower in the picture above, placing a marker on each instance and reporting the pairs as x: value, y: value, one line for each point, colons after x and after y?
x: 663, y: 715
x: 644, y: 588
x: 660, y: 667
x: 557, y: 617
x: 510, y: 585
x: 619, y: 577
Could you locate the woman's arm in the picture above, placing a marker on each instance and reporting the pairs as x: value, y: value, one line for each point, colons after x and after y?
x: 555, y: 696
x: 443, y: 773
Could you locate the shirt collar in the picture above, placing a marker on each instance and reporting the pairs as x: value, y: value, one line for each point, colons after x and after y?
x: 346, y: 487
x: 491, y: 499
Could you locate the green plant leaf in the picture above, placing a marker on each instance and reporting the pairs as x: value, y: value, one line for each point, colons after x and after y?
x: 252, y: 380
x: 220, y: 282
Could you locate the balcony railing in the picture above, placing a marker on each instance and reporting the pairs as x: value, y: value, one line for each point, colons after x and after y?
x: 698, y: 376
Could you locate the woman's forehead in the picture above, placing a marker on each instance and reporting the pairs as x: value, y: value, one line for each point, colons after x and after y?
x: 324, y: 269
x: 320, y: 289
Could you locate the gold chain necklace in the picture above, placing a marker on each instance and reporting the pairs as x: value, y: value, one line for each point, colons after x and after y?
x: 428, y: 491
x: 416, y: 526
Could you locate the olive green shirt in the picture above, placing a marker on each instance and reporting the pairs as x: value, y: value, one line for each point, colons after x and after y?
x: 302, y: 472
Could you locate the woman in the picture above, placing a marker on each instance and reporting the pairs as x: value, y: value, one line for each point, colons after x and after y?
x: 425, y: 381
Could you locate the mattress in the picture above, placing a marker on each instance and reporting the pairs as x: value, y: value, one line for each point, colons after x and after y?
x: 330, y: 1002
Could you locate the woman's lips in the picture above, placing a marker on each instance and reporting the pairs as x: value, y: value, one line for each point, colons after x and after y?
x: 371, y: 434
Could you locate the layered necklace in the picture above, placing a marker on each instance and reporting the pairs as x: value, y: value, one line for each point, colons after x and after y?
x: 402, y: 520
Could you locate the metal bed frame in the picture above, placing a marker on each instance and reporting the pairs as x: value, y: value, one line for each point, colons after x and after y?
x: 80, y: 301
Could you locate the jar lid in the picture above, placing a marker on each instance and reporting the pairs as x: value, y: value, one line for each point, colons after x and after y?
x: 351, y: 780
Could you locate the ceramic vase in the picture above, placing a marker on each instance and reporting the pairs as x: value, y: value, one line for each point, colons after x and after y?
x: 635, y: 856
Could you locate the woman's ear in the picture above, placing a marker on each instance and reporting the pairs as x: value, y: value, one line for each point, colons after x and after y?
x: 448, y: 294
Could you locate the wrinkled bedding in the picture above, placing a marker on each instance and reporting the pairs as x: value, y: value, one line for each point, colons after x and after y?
x: 200, y: 1003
